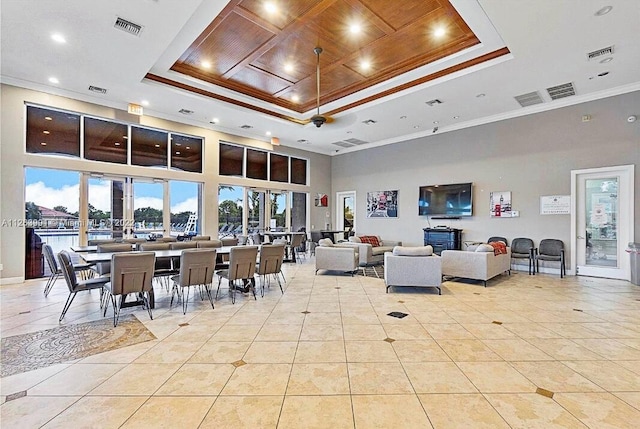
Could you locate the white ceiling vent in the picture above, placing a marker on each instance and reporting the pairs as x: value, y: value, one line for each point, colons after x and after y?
x: 600, y: 53
x: 343, y: 144
x: 97, y: 89
x: 561, y: 91
x: 186, y: 111
x: 529, y: 99
x: 356, y: 141
x: 128, y: 26
x: 433, y: 102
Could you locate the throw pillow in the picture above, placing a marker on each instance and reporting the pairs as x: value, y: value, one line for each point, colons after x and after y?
x: 371, y: 239
x: 499, y: 248
x: 484, y: 248
x: 325, y: 242
x: 413, y: 251
x: 354, y: 239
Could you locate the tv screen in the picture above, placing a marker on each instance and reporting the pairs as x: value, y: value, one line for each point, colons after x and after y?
x: 446, y: 200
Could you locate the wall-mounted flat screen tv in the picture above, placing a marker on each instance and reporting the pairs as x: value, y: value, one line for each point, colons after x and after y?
x: 453, y: 200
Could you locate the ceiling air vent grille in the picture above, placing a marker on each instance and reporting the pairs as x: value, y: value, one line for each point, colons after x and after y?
x: 600, y: 53
x: 186, y: 111
x: 128, y: 26
x: 343, y: 144
x: 561, y: 91
x: 529, y: 99
x: 97, y: 89
x: 356, y: 141
x: 246, y: 127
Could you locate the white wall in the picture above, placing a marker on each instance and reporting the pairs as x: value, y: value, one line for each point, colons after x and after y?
x: 13, y: 160
x: 530, y: 156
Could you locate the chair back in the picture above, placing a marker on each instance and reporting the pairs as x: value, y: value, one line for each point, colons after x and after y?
x: 242, y: 262
x: 197, y: 267
x: 96, y: 242
x: 496, y: 238
x: 256, y: 239
x: 67, y: 270
x: 201, y: 238
x: 166, y: 239
x: 51, y: 259
x: 150, y: 247
x: 209, y: 244
x: 521, y: 245
x: 551, y: 247
x: 271, y: 258
x: 132, y: 272
x: 136, y: 241
x: 181, y: 245
x: 297, y: 238
x: 229, y: 241
x: 105, y: 267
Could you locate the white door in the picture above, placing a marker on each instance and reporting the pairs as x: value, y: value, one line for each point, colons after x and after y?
x: 346, y: 211
x: 602, y: 221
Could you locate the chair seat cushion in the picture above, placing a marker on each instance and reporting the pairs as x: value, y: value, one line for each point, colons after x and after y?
x: 548, y: 258
x: 380, y: 250
x: 413, y: 251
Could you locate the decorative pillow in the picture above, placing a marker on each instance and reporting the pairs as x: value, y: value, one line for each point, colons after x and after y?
x: 325, y: 242
x: 499, y: 248
x: 472, y: 247
x: 484, y: 248
x: 354, y: 239
x: 371, y: 239
x: 413, y: 251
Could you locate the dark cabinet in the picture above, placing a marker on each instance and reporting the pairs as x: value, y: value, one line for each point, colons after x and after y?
x: 443, y: 239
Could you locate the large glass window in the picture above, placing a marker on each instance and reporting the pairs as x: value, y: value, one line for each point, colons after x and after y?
x: 298, y: 211
x: 231, y: 160
x: 147, y: 208
x: 186, y: 203
x: 256, y: 164
x: 298, y: 171
x: 105, y: 141
x: 53, y: 132
x: 230, y: 203
x: 148, y: 147
x: 279, y: 168
x: 186, y: 153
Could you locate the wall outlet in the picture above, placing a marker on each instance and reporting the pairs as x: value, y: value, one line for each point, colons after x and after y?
x: 515, y: 213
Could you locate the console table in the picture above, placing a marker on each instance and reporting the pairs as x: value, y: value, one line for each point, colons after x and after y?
x: 443, y: 239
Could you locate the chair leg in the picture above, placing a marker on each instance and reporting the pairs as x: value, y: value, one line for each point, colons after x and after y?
x: 209, y: 294
x: 232, y: 285
x: 147, y: 303
x: 279, y: 284
x: 185, y: 299
x: 67, y: 305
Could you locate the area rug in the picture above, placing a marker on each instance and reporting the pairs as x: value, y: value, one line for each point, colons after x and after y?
x: 376, y: 271
x: 40, y: 349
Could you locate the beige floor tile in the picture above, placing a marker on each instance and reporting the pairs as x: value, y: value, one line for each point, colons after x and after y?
x: 564, y: 349
x: 169, y: 352
x: 123, y: 355
x: 78, y: 379
x: 607, y: 374
x: 555, y: 376
x: 631, y: 398
x: 137, y: 379
x: 271, y: 352
x: 631, y: 365
x: 258, y: 379
x: 25, y: 380
x: 419, y: 351
x: 97, y: 412
x: 316, y: 412
x: 438, y: 377
x: 378, y: 379
x: 197, y: 379
x: 237, y: 333
x: 412, y: 331
x: 368, y: 317
x: 461, y: 411
x: 321, y: 333
x: 279, y: 332
x: 364, y: 332
x: 320, y: 352
x: 171, y: 412
x: 488, y: 331
x: 370, y: 351
x: 468, y: 351
x: 610, y: 348
x: 193, y: 333
x: 388, y: 411
x: 436, y: 316
x: 33, y: 411
x: 571, y: 330
x: 530, y: 410
x: 320, y: 319
x: 220, y: 352
x: 600, y: 410
x: 516, y: 350
x: 496, y: 377
x: 319, y: 379
x: 244, y: 412
x: 448, y: 331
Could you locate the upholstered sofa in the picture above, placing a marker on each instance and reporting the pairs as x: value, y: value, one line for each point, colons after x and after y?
x: 336, y: 258
x: 413, y: 266
x: 476, y: 265
x: 369, y: 254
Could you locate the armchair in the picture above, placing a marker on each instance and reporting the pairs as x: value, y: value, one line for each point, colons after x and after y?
x: 417, y: 267
x: 336, y: 258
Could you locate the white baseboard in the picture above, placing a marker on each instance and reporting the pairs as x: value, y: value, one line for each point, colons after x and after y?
x: 11, y: 280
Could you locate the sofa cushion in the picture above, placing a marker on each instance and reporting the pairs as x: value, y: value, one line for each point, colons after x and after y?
x: 354, y: 239
x: 499, y: 248
x: 380, y: 250
x: 484, y: 248
x: 371, y: 239
x: 413, y: 251
x: 472, y: 247
x: 325, y: 242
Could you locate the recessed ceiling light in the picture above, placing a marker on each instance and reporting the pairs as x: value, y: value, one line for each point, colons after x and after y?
x: 43, y: 144
x: 480, y: 95
x: 48, y: 118
x: 145, y: 103
x: 456, y: 117
x: 188, y: 147
x: 403, y: 117
x: 125, y: 137
x: 365, y: 65
x: 288, y: 67
x: 268, y: 133
x: 177, y: 153
x: 349, y: 132
x: 355, y: 28
x: 270, y: 7
x: 603, y: 11
x: 117, y: 143
x: 439, y: 32
x: 57, y: 37
x: 416, y: 127
x: 157, y: 145
x: 178, y: 144
x: 46, y: 132
x: 54, y: 80
x: 215, y: 120
x: 606, y: 60
x: 205, y: 64
x: 295, y: 98
x: 436, y: 122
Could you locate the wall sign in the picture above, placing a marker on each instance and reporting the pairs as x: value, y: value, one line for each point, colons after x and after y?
x: 555, y: 204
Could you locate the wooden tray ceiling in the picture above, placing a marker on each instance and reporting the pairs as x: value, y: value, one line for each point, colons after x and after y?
x: 247, y: 47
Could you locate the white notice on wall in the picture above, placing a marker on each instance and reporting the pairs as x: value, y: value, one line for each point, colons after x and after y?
x: 555, y: 204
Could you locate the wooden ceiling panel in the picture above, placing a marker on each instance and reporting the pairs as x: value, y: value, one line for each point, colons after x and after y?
x: 259, y: 80
x: 286, y: 11
x: 234, y: 38
x: 398, y: 16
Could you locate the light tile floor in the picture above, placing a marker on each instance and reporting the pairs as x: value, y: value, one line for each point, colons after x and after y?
x: 326, y: 355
